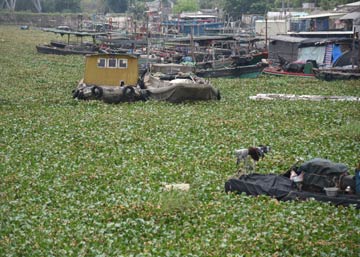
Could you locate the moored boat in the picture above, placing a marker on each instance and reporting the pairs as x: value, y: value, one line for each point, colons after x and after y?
x: 278, y: 71
x: 248, y: 71
x: 67, y: 50
x: 177, y: 83
x: 69, y: 47
x: 337, y: 73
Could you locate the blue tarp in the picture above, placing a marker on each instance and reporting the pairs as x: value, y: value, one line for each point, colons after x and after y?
x: 336, y: 53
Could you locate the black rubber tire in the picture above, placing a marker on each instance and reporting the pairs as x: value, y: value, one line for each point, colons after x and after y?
x: 97, y: 92
x: 129, y: 93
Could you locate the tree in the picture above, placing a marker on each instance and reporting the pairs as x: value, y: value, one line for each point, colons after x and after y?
x: 331, y: 4
x: 88, y: 5
x: 236, y: 8
x: 26, y: 5
x: 185, y: 6
x: 117, y: 5
x: 210, y: 4
x: 61, y: 5
x: 49, y: 6
x: 289, y: 3
x: 67, y: 5
x: 137, y: 9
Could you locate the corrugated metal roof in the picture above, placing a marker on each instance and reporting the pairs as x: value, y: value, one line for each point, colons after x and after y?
x: 114, y: 55
x: 75, y: 33
x: 303, y: 41
x: 320, y: 15
x: 320, y: 33
x: 288, y: 39
x: 353, y: 4
x: 351, y: 16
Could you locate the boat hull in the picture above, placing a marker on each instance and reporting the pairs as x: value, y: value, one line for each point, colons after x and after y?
x: 46, y: 49
x: 250, y: 71
x: 336, y: 74
x: 280, y: 72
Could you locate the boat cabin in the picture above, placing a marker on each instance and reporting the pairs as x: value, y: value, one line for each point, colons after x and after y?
x: 326, y: 52
x: 111, y: 69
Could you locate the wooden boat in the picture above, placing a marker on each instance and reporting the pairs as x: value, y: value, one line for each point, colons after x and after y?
x: 69, y: 47
x: 337, y: 73
x: 113, y: 78
x: 250, y: 59
x: 177, y: 84
x: 66, y: 50
x: 248, y: 71
x: 232, y: 60
x: 278, y: 71
x: 164, y: 75
x: 215, y: 64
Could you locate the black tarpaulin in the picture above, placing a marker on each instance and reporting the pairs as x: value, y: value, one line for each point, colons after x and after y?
x: 259, y: 184
x: 181, y: 92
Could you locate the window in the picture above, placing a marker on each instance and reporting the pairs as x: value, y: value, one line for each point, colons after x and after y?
x: 101, y: 62
x: 123, y: 63
x: 112, y: 63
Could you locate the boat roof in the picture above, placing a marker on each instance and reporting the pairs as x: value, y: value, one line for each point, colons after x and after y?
x: 351, y: 16
x: 75, y: 33
x: 201, y: 38
x: 113, y: 55
x: 321, y: 33
x: 288, y: 38
x: 353, y: 4
x: 310, y: 41
x: 320, y: 15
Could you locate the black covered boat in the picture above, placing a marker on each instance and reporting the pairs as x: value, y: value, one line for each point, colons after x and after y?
x: 318, y: 174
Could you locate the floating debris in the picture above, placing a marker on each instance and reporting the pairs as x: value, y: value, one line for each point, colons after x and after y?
x: 303, y: 97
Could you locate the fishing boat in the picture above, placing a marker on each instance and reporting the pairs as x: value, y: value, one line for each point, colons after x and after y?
x: 280, y: 71
x: 298, y: 56
x: 248, y: 65
x: 113, y: 78
x: 247, y: 71
x: 337, y: 73
x: 67, y: 50
x: 177, y: 83
x: 318, y: 179
x: 68, y: 47
x: 250, y: 59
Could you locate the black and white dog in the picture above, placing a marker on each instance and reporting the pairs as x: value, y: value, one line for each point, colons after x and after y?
x: 252, y: 153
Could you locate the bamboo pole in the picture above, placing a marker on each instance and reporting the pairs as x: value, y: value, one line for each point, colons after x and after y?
x: 353, y: 49
x: 266, y: 32
x: 147, y: 41
x: 192, y: 43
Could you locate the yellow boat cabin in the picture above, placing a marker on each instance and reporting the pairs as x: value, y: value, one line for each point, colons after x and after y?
x: 111, y: 70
